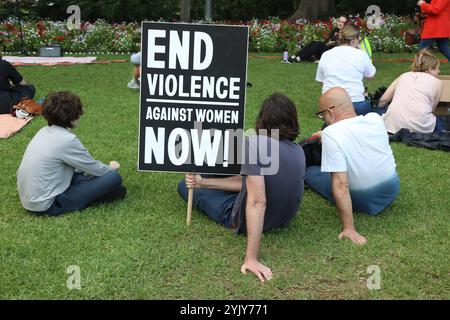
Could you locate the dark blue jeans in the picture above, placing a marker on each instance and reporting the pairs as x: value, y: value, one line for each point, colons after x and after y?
x: 442, y: 44
x: 85, y: 191
x: 216, y: 204
x: 371, y: 202
x: 439, y: 125
x: 379, y: 110
x: 362, y: 108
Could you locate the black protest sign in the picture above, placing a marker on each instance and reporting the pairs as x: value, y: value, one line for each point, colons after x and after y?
x: 193, y: 84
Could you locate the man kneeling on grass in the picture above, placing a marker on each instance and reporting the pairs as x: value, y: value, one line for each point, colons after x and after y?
x: 358, y: 168
x: 268, y: 193
x: 51, y: 179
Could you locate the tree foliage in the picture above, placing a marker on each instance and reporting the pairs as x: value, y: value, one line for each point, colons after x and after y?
x: 138, y: 10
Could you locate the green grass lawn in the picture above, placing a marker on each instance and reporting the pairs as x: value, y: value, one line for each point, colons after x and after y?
x: 141, y: 248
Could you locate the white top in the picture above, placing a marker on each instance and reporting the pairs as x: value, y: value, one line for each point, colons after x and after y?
x: 360, y: 147
x: 345, y: 67
x: 48, y: 166
x: 414, y: 97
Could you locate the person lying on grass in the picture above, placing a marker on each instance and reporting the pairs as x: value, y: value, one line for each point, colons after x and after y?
x: 268, y: 192
x: 358, y: 171
x: 315, y: 49
x: 57, y: 173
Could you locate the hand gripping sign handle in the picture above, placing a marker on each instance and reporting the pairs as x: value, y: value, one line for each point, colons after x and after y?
x: 189, y: 206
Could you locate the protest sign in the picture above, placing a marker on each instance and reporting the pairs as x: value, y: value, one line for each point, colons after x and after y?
x: 192, y: 74
x: 193, y: 84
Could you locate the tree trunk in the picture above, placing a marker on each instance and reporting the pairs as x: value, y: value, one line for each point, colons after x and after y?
x: 311, y: 9
x: 327, y: 7
x: 185, y: 11
x: 208, y: 9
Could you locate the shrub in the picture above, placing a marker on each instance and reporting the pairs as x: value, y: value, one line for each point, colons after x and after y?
x: 269, y: 35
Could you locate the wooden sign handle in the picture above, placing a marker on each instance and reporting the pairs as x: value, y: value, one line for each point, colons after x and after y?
x: 189, y: 207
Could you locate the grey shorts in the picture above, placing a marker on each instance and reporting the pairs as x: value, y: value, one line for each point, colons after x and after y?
x: 136, y: 58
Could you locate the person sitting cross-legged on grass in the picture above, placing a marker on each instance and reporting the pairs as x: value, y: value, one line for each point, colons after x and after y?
x: 268, y: 192
x: 358, y: 171
x: 57, y: 173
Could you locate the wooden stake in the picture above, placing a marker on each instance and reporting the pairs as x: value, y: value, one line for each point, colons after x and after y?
x: 189, y: 206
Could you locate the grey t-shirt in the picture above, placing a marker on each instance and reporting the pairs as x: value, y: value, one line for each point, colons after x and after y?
x: 48, y: 165
x: 283, y: 177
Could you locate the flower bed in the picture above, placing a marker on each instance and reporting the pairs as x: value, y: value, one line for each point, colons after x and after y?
x: 385, y: 34
x: 271, y: 35
x: 99, y: 36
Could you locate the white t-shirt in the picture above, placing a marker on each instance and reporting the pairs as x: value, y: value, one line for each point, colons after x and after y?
x: 360, y: 147
x: 345, y: 67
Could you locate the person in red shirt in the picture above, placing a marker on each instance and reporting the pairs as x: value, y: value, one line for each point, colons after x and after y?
x: 437, y: 25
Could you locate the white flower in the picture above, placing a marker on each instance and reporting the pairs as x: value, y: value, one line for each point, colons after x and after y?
x: 374, y: 22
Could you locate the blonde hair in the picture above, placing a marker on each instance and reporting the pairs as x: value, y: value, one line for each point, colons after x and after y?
x: 349, y: 33
x: 424, y: 61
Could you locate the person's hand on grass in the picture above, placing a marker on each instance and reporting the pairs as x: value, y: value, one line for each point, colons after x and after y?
x: 193, y: 181
x: 261, y: 271
x: 114, y: 165
x: 354, y: 236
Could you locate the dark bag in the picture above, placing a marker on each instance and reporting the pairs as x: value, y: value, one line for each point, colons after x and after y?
x: 313, y: 151
x: 412, y: 36
x: 375, y: 98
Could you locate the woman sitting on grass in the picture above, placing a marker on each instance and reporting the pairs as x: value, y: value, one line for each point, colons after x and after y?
x: 413, y: 97
x: 13, y: 87
x: 57, y: 173
x: 345, y: 67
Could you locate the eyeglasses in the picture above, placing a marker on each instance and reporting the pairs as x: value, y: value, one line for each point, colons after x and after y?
x: 320, y: 113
